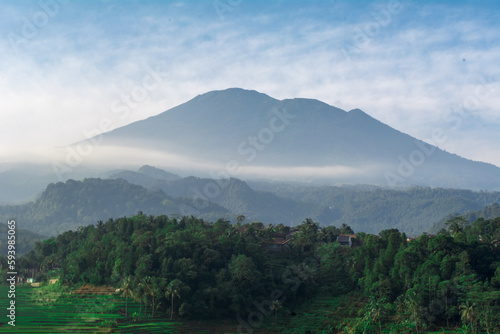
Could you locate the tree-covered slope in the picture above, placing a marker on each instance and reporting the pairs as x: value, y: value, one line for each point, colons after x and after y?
x: 65, y: 206
x: 412, y: 210
x: 366, y: 208
x: 191, y: 269
x: 488, y: 212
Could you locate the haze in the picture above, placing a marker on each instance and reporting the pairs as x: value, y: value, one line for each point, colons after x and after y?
x: 416, y: 66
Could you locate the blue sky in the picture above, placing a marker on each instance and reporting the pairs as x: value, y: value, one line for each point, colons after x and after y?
x: 422, y: 67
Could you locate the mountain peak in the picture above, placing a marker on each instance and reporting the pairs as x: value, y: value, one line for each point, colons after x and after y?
x: 233, y: 94
x: 257, y: 130
x: 157, y: 173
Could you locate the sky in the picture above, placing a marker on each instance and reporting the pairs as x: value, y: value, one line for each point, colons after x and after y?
x: 70, y: 69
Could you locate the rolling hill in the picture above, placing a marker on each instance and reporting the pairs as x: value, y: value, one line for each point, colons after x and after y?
x: 488, y: 212
x: 364, y: 208
x: 66, y: 206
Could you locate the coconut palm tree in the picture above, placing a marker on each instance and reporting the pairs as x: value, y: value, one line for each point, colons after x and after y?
x: 147, y: 289
x: 377, y: 311
x: 411, y: 301
x: 467, y: 313
x: 127, y: 292
x: 275, y: 306
x: 174, y: 290
x: 456, y: 225
x: 138, y: 295
x: 239, y: 220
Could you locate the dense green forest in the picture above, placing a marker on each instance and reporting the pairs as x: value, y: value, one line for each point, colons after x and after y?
x: 65, y: 206
x: 488, y: 212
x: 68, y: 205
x: 413, y: 210
x: 365, y: 208
x: 187, y: 268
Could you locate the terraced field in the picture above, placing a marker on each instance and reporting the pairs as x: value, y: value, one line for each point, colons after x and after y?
x: 46, y: 311
x: 57, y: 312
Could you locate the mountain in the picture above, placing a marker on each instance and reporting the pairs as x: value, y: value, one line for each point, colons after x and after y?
x: 412, y: 210
x: 232, y: 194
x: 158, y: 173
x: 24, y: 182
x: 146, y: 176
x: 364, y: 208
x: 68, y: 205
x: 298, y: 138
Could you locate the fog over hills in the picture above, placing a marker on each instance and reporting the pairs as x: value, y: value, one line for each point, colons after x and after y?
x: 246, y: 133
x: 67, y: 205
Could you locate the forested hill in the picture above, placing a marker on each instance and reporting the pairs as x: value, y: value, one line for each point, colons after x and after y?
x: 192, y: 269
x: 488, y: 212
x: 65, y: 206
x: 370, y: 210
x: 365, y: 208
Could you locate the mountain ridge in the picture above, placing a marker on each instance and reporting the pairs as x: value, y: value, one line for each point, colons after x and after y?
x: 257, y: 130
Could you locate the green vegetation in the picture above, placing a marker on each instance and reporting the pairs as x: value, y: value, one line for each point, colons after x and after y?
x: 371, y: 210
x: 365, y: 208
x: 66, y: 206
x: 25, y: 240
x: 488, y: 212
x: 189, y: 270
x: 52, y: 309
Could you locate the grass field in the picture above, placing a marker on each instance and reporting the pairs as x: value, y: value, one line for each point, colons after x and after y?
x: 46, y: 310
x: 53, y: 310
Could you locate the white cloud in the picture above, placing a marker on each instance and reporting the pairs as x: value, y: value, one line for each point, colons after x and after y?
x: 65, y: 80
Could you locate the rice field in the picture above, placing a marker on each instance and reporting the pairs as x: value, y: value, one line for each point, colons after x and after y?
x: 40, y: 310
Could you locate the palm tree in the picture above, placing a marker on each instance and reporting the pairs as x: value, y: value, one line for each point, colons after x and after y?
x: 155, y: 289
x: 148, y: 290
x: 275, y: 306
x: 412, y: 302
x: 127, y: 292
x: 456, y: 225
x: 174, y: 290
x: 377, y: 311
x: 139, y: 293
x: 467, y: 313
x: 239, y: 220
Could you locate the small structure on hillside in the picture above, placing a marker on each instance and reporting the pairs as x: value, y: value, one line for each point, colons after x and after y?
x: 278, y: 240
x: 345, y: 240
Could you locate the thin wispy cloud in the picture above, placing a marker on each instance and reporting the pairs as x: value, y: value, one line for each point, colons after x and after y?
x: 410, y: 72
